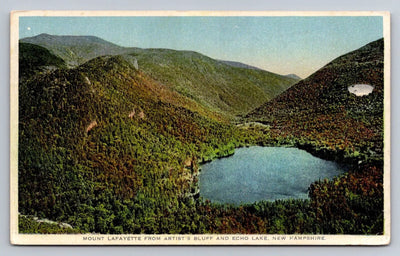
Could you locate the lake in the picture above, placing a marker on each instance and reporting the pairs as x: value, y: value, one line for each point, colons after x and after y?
x: 263, y: 173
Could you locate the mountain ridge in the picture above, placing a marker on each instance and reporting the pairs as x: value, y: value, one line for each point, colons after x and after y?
x: 239, y: 64
x: 215, y: 85
x: 294, y: 76
x: 33, y: 58
x: 76, y: 50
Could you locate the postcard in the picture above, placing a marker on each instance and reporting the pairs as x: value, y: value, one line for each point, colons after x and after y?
x: 200, y: 128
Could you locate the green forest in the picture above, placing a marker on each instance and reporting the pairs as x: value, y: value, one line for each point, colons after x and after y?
x: 113, y: 145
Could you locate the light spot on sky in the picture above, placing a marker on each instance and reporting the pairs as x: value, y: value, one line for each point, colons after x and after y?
x: 28, y: 28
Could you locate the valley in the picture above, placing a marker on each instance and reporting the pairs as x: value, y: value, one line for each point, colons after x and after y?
x: 111, y: 138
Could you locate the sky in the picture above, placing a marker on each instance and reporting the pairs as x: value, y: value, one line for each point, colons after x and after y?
x: 285, y: 45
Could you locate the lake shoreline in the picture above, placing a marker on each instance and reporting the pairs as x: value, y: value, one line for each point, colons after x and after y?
x: 261, y: 173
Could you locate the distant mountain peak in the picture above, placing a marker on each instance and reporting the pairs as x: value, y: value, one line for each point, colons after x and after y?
x: 294, y: 76
x: 75, y: 49
x: 66, y: 39
x: 237, y: 64
x: 42, y: 35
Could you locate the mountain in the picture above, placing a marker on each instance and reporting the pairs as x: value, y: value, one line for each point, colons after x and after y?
x: 75, y: 50
x: 332, y: 115
x: 239, y: 64
x: 114, y: 145
x: 294, y: 76
x: 321, y: 110
x: 213, y: 84
x: 34, y: 58
x: 106, y: 148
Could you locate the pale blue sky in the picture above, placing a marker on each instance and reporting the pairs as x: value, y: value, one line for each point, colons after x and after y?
x: 283, y: 45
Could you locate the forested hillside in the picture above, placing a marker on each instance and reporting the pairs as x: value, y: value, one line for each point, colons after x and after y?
x: 34, y: 59
x: 320, y: 110
x: 321, y: 115
x: 100, y: 150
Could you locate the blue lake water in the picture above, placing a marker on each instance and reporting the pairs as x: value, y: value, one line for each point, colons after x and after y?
x: 263, y: 173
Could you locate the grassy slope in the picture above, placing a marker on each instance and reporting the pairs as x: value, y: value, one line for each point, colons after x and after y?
x: 218, y: 86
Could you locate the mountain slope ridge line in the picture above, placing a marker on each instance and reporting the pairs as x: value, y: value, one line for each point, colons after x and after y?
x: 219, y: 87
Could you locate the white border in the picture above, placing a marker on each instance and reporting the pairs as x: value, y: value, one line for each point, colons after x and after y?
x: 90, y: 239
